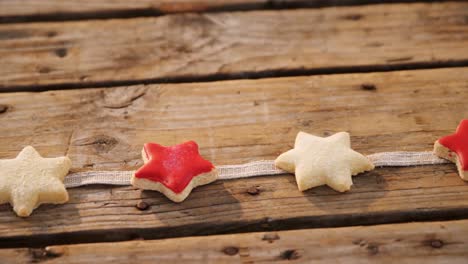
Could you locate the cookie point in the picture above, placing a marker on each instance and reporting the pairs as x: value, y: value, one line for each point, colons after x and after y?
x: 343, y: 137
x: 29, y: 149
x: 302, y: 187
x: 277, y: 162
x: 301, y: 137
x: 67, y: 160
x: 343, y: 188
x: 191, y: 142
x: 370, y: 166
x: 177, y: 199
x: 65, y: 197
x: 23, y: 212
x: 344, y: 134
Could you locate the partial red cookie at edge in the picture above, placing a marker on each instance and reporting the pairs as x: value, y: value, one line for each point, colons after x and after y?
x: 458, y: 143
x: 454, y: 147
x: 173, y: 166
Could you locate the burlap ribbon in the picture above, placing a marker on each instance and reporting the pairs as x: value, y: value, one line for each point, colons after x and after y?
x: 252, y: 169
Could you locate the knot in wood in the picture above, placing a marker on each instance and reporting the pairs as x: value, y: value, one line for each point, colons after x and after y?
x: 270, y: 237
x: 373, y: 249
x: 40, y: 254
x: 101, y: 143
x: 3, y: 108
x: 436, y: 243
x: 290, y: 254
x: 142, y: 206
x: 254, y: 190
x: 61, y: 52
x: 231, y: 251
x: 53, y: 252
x: 368, y: 87
x: 353, y: 17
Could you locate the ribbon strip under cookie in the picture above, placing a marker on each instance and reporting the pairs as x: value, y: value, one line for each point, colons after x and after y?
x: 252, y: 169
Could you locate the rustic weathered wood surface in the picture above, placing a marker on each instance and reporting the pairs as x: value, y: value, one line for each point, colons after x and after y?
x: 174, y: 47
x: 234, y: 122
x: 27, y: 10
x: 10, y: 8
x: 433, y: 242
x: 123, y: 55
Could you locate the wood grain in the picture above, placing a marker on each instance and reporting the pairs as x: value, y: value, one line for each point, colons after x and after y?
x: 433, y: 242
x: 235, y: 122
x: 14, y: 8
x: 33, y: 10
x: 216, y: 46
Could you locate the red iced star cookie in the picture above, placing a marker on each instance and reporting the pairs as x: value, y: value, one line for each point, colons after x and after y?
x: 455, y: 148
x: 173, y: 171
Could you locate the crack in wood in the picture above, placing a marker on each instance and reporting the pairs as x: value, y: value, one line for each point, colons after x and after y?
x: 69, y: 142
x: 101, y: 143
x: 206, y: 228
x: 241, y: 75
x: 124, y: 97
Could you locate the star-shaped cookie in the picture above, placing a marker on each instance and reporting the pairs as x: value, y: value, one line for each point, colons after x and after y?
x: 455, y: 148
x: 173, y: 171
x: 318, y: 161
x: 30, y: 180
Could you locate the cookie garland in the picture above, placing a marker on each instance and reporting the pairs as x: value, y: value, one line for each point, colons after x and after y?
x: 30, y: 180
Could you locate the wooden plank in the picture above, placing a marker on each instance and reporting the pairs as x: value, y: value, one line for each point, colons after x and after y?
x: 15, y: 8
x: 433, y: 242
x: 191, y: 46
x: 235, y: 122
x: 33, y: 10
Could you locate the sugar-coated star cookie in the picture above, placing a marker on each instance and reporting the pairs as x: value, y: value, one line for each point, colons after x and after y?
x: 318, y: 161
x: 455, y: 148
x: 173, y: 171
x: 30, y: 180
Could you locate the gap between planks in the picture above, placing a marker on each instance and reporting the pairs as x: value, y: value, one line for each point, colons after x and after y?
x: 28, y: 11
x: 212, y: 228
x: 241, y: 75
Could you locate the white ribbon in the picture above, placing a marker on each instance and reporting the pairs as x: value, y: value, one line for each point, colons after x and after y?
x: 403, y: 158
x: 98, y: 177
x: 252, y: 169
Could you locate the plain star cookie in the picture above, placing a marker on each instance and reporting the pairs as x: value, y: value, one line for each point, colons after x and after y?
x: 318, y: 161
x: 173, y: 171
x: 455, y: 148
x: 30, y: 180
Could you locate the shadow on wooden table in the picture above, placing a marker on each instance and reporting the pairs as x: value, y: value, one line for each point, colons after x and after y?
x: 44, y: 217
x: 204, y: 203
x: 368, y: 188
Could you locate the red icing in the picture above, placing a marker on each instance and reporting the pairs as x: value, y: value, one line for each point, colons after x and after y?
x: 458, y: 143
x: 173, y: 166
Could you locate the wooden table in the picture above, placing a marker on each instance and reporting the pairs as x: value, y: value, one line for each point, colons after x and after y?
x: 95, y: 79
